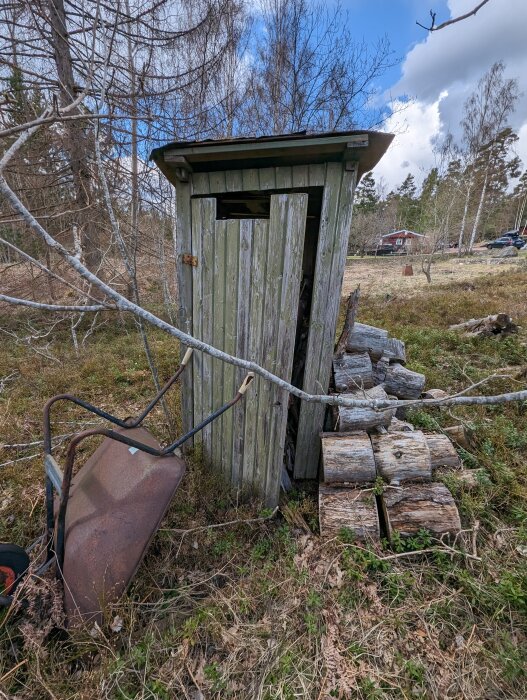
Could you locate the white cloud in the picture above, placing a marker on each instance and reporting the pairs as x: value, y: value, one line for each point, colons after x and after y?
x: 415, y: 125
x: 440, y: 73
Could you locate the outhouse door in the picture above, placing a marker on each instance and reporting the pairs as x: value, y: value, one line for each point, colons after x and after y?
x: 245, y: 293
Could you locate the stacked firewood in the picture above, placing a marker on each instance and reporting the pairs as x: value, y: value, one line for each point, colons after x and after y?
x: 378, y: 470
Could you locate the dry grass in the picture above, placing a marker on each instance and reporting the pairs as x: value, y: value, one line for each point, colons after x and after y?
x: 262, y: 610
x: 384, y: 275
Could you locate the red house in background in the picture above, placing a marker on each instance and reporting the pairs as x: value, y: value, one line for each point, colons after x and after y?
x: 403, y: 239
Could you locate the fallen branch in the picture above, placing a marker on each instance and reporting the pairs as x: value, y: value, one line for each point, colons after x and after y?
x: 54, y: 307
x: 123, y: 304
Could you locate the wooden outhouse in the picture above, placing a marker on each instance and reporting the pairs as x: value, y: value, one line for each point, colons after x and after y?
x: 262, y: 235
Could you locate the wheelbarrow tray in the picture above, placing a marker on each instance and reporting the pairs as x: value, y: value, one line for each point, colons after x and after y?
x: 116, y: 503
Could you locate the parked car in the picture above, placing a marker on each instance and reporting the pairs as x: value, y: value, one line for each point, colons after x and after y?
x: 504, y: 241
x: 382, y: 249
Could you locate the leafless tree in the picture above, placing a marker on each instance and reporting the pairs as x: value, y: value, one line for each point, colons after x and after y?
x: 309, y: 73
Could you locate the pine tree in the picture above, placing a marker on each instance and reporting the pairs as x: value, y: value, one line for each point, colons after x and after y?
x: 366, y: 196
x: 408, y: 204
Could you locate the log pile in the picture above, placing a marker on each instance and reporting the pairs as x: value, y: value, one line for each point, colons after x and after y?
x: 369, y: 445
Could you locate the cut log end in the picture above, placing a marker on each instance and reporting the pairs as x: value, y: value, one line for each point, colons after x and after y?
x: 403, y: 382
x: 353, y: 372
x: 348, y: 458
x: 402, y: 457
x: 352, y: 419
x: 415, y: 507
x: 348, y: 508
x: 442, y: 452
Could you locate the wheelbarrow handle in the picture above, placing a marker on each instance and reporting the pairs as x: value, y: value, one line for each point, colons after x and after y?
x: 246, y: 383
x: 186, y: 357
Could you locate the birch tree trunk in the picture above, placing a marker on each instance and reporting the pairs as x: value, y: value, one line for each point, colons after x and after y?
x: 478, y: 212
x: 464, y: 220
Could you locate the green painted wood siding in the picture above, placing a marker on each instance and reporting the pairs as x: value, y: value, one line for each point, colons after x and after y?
x: 218, y: 279
x: 245, y: 301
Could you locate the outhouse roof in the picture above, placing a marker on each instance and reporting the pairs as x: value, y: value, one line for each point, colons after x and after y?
x: 364, y: 147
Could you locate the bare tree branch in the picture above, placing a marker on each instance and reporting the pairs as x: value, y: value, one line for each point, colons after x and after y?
x: 54, y: 307
x: 434, y: 28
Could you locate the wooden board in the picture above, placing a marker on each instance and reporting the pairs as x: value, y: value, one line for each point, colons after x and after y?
x: 414, y: 507
x: 185, y: 281
x: 245, y: 301
x: 347, y: 458
x: 402, y: 457
x: 335, y: 224
x: 348, y: 508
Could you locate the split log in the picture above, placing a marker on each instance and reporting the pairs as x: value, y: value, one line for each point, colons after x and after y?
x: 442, y: 451
x: 352, y: 419
x: 347, y: 458
x: 364, y: 338
x: 497, y: 324
x: 348, y: 508
x: 402, y: 457
x: 353, y: 372
x: 380, y: 368
x: 404, y: 383
x: 400, y: 426
x: 395, y: 350
x: 415, y: 507
x: 435, y: 394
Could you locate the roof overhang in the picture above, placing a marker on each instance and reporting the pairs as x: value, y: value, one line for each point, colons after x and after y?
x: 363, y: 148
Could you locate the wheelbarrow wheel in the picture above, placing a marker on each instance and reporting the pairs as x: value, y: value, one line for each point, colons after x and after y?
x: 14, y: 562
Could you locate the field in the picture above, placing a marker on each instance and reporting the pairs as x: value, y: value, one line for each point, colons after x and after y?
x: 258, y: 607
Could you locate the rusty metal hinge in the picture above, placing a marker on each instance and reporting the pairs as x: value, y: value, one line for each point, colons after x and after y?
x: 188, y: 259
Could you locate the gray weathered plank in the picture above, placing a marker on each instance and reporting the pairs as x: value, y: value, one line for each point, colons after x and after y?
x: 300, y: 176
x: 251, y: 179
x: 332, y: 245
x: 200, y: 183
x: 292, y: 220
x: 197, y: 307
x: 218, y: 337
x: 254, y: 350
x: 268, y: 178
x: 233, y: 181
x: 184, y: 276
x: 205, y: 269
x: 243, y: 304
x: 284, y: 177
x: 267, y: 411
x: 317, y: 175
x: 232, y: 255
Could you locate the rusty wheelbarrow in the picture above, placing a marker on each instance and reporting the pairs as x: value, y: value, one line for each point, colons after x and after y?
x: 100, y: 521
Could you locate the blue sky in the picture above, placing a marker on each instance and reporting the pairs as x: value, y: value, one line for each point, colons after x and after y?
x: 438, y: 71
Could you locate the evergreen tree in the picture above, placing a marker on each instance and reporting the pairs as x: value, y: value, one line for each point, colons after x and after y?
x: 366, y: 196
x: 408, y: 204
